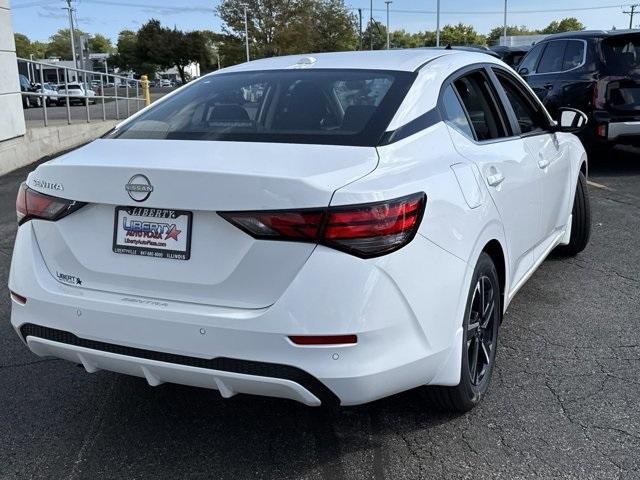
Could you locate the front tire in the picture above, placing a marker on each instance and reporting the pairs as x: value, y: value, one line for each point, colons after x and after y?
x: 479, y: 342
x: 580, y: 221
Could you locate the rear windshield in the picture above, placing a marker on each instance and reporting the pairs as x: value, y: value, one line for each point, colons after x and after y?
x: 340, y: 107
x: 622, y: 54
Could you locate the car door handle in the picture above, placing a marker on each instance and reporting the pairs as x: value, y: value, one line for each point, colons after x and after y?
x: 495, y: 179
x: 543, y: 163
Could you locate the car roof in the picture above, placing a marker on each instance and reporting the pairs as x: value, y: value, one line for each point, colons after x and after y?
x: 584, y: 34
x: 408, y: 60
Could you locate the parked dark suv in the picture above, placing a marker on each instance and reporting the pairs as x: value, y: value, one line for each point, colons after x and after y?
x: 597, y: 72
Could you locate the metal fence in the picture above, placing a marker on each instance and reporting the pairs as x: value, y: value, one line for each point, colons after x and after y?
x: 99, y: 94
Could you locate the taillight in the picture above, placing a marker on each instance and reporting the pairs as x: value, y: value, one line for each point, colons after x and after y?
x: 31, y: 204
x: 365, y: 230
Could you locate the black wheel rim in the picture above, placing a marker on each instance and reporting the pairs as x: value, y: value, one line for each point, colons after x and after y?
x: 481, y: 330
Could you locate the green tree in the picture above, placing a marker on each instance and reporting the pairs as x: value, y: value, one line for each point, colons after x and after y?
x: 25, y: 48
x: 155, y: 47
x: 461, y: 34
x: 100, y: 44
x: 569, y: 24
x: 171, y: 47
x: 23, y: 45
x: 280, y: 27
x: 331, y: 27
x: 127, y: 57
x: 60, y: 44
x: 378, y: 33
x: 403, y: 39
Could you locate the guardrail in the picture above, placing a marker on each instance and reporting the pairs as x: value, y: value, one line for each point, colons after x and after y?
x: 42, y: 72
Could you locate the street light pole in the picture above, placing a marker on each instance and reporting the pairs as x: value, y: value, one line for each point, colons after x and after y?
x: 246, y: 32
x: 72, y: 33
x: 360, y: 26
x: 505, y: 23
x: 388, y: 2
x: 371, y: 24
x: 438, y: 24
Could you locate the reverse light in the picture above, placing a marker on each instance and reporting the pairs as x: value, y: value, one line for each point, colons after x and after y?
x: 31, y: 204
x: 365, y: 230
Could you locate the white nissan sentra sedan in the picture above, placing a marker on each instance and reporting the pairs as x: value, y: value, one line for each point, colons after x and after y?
x: 331, y: 229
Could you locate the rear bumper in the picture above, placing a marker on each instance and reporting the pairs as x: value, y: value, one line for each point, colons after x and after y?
x: 408, y: 328
x: 623, y: 129
x: 229, y: 376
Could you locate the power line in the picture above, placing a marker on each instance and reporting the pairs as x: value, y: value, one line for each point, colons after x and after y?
x: 186, y: 9
x: 500, y: 12
x: 631, y: 13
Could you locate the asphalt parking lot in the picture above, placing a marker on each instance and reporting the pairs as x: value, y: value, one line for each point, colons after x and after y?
x: 564, y: 401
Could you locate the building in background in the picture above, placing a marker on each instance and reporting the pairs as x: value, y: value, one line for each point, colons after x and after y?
x: 520, y: 40
x: 191, y: 71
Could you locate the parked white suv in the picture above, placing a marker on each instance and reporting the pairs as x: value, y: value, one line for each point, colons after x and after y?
x: 330, y: 229
x: 77, y: 93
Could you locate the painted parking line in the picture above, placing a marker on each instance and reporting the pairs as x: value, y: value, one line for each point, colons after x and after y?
x: 598, y: 185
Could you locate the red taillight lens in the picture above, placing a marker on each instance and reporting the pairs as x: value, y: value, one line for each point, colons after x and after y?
x: 31, y: 204
x: 367, y: 230
x: 284, y: 224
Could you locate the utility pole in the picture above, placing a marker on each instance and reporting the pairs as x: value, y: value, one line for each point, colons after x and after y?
x: 246, y: 32
x: 438, y: 24
x: 631, y: 13
x: 360, y: 26
x: 388, y: 2
x: 505, y: 23
x: 72, y: 33
x: 371, y: 24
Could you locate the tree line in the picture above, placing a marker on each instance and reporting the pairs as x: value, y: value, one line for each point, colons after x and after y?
x: 277, y: 27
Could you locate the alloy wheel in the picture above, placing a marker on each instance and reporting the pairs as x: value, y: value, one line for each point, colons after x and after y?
x: 480, y: 330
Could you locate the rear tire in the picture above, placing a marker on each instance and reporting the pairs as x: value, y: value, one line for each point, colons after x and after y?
x: 479, y: 342
x: 580, y: 221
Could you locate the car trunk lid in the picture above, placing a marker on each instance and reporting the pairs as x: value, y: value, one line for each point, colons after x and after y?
x: 226, y: 267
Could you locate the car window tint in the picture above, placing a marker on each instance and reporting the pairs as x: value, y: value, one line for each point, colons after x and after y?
x: 529, y: 62
x: 454, y: 112
x: 552, y: 58
x: 476, y: 98
x: 622, y: 54
x: 573, y: 55
x: 529, y: 118
x: 340, y: 107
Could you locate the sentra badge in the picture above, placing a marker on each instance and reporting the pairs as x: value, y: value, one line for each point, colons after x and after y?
x: 38, y: 183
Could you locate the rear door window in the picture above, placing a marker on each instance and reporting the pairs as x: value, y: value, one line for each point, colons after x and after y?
x: 527, y: 111
x: 573, y: 55
x: 622, y: 54
x: 553, y: 57
x: 530, y: 61
x: 454, y: 112
x: 478, y: 100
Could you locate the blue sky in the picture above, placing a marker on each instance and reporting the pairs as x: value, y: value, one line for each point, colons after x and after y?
x: 38, y: 19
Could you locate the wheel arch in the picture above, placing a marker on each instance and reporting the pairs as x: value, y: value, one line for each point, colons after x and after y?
x: 494, y: 249
x: 584, y: 168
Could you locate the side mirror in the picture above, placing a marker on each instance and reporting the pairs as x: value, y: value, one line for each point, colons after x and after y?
x: 571, y: 120
x: 523, y: 71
